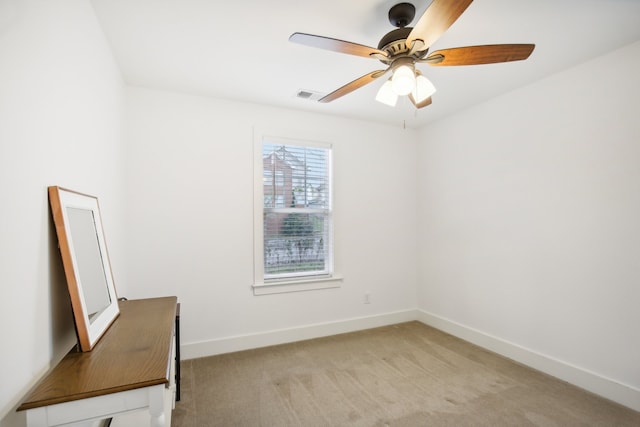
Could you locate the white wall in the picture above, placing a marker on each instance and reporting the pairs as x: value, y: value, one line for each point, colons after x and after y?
x: 190, y: 207
x: 61, y: 100
x: 529, y: 208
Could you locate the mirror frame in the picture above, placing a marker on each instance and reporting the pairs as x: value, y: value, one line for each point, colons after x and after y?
x: 89, y: 332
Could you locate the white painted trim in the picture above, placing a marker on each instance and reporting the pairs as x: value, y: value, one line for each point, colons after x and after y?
x: 281, y: 336
x: 278, y: 287
x: 608, y: 388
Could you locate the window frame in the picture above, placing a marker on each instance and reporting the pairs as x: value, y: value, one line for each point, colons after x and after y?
x: 262, y: 286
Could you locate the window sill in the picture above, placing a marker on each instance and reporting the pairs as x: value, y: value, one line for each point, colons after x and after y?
x: 297, y: 285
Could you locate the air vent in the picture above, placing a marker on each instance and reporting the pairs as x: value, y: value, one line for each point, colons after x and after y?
x: 308, y: 94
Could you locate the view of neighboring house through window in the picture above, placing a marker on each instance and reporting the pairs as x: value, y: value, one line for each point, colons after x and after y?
x: 296, y: 210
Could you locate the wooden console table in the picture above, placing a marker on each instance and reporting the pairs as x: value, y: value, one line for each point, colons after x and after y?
x: 131, y: 368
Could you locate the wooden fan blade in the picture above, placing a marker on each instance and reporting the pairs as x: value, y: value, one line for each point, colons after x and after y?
x: 336, y: 45
x: 421, y: 104
x: 351, y: 86
x: 438, y: 17
x: 474, y: 55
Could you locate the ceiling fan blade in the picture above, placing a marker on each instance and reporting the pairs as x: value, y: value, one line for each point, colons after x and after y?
x: 474, y: 55
x: 438, y: 17
x: 351, y: 86
x: 336, y: 45
x: 421, y: 104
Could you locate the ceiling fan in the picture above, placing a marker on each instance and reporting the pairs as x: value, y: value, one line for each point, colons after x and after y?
x: 401, y: 49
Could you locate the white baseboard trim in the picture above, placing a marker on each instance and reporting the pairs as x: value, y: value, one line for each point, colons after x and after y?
x: 623, y: 394
x: 282, y: 336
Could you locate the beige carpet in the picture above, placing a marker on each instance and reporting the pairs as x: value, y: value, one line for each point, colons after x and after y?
x: 402, y: 375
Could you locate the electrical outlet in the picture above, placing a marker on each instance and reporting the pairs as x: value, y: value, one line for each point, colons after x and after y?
x: 367, y: 298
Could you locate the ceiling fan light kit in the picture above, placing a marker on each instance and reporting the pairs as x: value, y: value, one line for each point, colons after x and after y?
x: 403, y: 80
x: 387, y: 95
x: 401, y: 49
x: 423, y: 89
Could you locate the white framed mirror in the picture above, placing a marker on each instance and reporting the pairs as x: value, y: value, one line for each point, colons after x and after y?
x: 86, y: 263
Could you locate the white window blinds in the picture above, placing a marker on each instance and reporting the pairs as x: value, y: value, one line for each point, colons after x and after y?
x: 296, y: 210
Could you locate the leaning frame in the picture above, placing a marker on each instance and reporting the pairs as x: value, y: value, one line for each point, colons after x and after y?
x: 86, y: 263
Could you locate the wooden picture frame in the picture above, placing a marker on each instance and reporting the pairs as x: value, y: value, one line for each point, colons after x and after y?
x: 86, y: 263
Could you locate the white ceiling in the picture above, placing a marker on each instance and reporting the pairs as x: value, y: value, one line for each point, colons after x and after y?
x: 240, y: 50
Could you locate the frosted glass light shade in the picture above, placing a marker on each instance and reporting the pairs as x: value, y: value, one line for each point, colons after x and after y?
x: 386, y: 95
x: 423, y: 89
x: 403, y: 80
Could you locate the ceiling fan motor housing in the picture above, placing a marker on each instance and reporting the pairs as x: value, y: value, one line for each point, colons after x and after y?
x: 394, y: 41
x: 395, y: 44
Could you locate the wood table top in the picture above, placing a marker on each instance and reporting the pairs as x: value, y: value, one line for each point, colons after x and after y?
x: 133, y: 353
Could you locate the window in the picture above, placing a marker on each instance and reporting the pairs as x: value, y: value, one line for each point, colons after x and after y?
x: 293, y: 228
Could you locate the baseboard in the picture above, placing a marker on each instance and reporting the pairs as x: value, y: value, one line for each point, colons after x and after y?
x: 282, y: 336
x: 610, y: 389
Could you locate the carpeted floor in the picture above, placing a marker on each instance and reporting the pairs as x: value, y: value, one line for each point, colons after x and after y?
x: 401, y: 375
